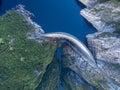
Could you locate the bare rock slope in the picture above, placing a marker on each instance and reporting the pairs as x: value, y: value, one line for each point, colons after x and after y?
x: 105, y: 44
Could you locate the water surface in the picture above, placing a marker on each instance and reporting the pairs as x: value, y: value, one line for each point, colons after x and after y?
x: 56, y: 15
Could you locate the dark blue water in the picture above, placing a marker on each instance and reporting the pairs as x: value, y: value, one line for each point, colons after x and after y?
x: 56, y: 16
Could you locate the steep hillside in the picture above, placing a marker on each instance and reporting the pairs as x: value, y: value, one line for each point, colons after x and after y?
x: 23, y: 61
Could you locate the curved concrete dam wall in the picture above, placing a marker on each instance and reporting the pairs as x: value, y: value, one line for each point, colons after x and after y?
x: 80, y: 46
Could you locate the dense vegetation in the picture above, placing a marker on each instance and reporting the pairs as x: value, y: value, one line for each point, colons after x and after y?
x: 22, y: 61
x: 51, y: 78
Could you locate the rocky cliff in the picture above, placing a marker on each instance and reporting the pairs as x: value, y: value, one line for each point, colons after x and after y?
x: 103, y: 16
x: 105, y: 44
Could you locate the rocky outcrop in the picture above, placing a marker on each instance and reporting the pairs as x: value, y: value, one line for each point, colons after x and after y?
x: 107, y: 53
x: 28, y: 15
x: 89, y: 77
x: 89, y: 3
x: 103, y: 16
x: 105, y: 44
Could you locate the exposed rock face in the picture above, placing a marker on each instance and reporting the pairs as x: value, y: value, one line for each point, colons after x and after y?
x: 28, y: 15
x: 103, y: 16
x: 89, y: 3
x: 105, y: 44
x: 107, y: 53
x: 107, y: 48
x: 88, y: 77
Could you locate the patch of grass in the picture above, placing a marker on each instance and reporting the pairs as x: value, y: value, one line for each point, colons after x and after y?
x: 19, y: 56
x: 104, y: 34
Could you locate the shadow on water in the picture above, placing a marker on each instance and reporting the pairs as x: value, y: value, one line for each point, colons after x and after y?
x: 0, y: 5
x: 89, y: 24
x: 81, y: 5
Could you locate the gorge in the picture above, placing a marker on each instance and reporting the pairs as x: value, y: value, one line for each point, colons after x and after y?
x: 34, y: 60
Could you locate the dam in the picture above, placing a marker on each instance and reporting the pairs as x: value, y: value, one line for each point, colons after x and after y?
x: 78, y: 44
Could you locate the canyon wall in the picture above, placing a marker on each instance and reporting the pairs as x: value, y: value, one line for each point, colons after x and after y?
x: 105, y: 44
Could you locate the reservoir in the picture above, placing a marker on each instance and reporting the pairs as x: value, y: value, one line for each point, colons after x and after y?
x: 55, y: 15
